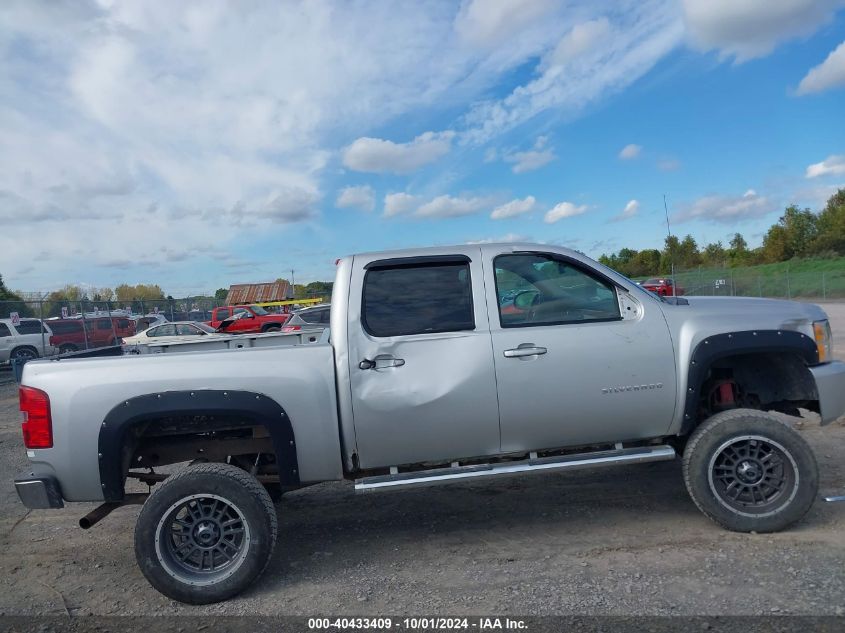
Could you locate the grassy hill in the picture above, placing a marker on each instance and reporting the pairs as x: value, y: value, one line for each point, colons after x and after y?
x: 808, y: 278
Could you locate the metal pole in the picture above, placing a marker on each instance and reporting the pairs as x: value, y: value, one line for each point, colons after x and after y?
x: 760, y: 286
x: 111, y: 320
x: 84, y: 328
x: 41, y: 318
x: 824, y: 287
x: 788, y: 289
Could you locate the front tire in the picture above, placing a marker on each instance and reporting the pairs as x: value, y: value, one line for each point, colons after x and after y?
x: 748, y: 470
x: 206, y: 533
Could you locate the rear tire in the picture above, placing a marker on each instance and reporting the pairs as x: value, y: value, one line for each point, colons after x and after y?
x: 24, y: 353
x: 206, y: 533
x: 747, y: 470
x: 272, y: 328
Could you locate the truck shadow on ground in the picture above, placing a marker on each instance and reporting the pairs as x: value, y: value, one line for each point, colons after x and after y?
x: 326, y: 530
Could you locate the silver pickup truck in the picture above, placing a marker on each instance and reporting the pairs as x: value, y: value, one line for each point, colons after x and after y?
x: 442, y: 364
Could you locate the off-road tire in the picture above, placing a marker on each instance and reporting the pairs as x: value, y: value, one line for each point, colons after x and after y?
x: 710, y: 465
x: 251, y: 504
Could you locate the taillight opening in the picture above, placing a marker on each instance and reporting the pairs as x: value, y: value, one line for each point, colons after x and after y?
x: 37, y: 425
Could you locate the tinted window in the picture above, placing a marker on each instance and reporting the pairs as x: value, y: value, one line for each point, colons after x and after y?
x: 104, y: 324
x: 222, y: 313
x: 153, y: 331
x: 325, y: 316
x: 183, y: 329
x: 4, y: 330
x: 166, y: 330
x: 542, y: 290
x: 417, y: 299
x: 66, y: 327
x: 30, y: 326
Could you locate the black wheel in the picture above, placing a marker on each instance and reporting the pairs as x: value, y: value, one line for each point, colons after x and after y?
x: 272, y: 328
x: 66, y: 348
x: 24, y: 353
x: 749, y: 471
x: 206, y: 533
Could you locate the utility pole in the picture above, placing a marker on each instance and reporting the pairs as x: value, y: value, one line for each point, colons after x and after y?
x: 292, y: 285
x: 672, y: 260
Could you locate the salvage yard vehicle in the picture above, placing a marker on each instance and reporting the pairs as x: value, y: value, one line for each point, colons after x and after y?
x: 246, y: 319
x: 423, y: 381
x: 71, y: 335
x: 175, y: 331
x: 27, y: 340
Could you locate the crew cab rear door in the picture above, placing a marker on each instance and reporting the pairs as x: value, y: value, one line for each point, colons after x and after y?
x: 420, y: 363
x: 578, y: 361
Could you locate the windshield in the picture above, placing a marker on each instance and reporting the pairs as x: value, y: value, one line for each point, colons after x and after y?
x: 258, y: 310
x: 654, y: 281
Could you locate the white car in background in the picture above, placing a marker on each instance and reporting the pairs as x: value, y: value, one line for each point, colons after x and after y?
x: 29, y: 339
x: 168, y: 333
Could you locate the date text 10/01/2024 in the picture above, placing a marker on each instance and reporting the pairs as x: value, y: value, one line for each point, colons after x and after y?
x: 483, y: 624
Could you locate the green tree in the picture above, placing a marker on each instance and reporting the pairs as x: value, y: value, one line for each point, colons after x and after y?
x: 12, y: 302
x: 221, y: 293
x: 830, y: 237
x: 714, y: 255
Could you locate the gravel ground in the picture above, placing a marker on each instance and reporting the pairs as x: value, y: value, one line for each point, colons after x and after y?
x: 620, y: 541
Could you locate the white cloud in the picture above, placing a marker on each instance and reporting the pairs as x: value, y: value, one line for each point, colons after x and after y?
x: 514, y: 208
x: 829, y: 74
x: 745, y: 29
x: 359, y: 197
x: 488, y: 24
x: 532, y: 159
x: 631, y: 209
x: 629, y: 152
x: 399, y: 204
x: 564, y: 210
x: 451, y: 206
x: 726, y: 209
x: 830, y: 166
x: 606, y: 60
x: 376, y: 155
x: 283, y: 206
x: 582, y: 39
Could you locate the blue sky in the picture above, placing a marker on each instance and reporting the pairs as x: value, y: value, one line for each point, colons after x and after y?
x: 198, y: 144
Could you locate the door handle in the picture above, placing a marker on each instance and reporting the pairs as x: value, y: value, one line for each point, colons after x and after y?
x: 525, y: 350
x: 381, y: 363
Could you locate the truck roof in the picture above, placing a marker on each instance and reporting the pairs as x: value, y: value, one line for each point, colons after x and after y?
x: 446, y: 250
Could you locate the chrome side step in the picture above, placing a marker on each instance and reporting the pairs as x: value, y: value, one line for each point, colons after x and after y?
x: 566, y: 462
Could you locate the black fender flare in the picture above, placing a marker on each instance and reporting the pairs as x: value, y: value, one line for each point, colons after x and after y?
x: 713, y: 348
x: 254, y: 409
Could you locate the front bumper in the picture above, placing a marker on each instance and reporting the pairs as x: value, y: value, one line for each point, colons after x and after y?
x: 830, y: 384
x: 38, y: 492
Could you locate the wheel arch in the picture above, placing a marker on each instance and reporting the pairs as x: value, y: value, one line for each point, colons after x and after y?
x: 778, y: 357
x: 117, y: 431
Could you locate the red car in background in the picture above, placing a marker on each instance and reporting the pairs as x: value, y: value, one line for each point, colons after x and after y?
x: 662, y: 286
x: 69, y: 336
x: 246, y: 320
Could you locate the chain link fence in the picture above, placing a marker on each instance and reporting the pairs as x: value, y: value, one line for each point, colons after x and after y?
x: 729, y: 282
x: 34, y: 328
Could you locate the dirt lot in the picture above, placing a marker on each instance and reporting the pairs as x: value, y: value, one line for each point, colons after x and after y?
x: 617, y: 541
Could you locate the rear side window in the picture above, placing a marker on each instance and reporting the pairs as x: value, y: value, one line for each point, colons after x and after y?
x: 104, y: 324
x: 222, y: 313
x: 30, y: 326
x: 66, y: 327
x: 4, y: 330
x: 417, y: 299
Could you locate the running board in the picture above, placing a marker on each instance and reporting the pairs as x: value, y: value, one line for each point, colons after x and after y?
x: 565, y: 462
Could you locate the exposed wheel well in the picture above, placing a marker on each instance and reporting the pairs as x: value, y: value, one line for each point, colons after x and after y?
x: 247, y: 429
x: 776, y: 381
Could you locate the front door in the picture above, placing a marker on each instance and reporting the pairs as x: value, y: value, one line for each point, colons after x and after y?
x: 421, y: 367
x: 571, y: 368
